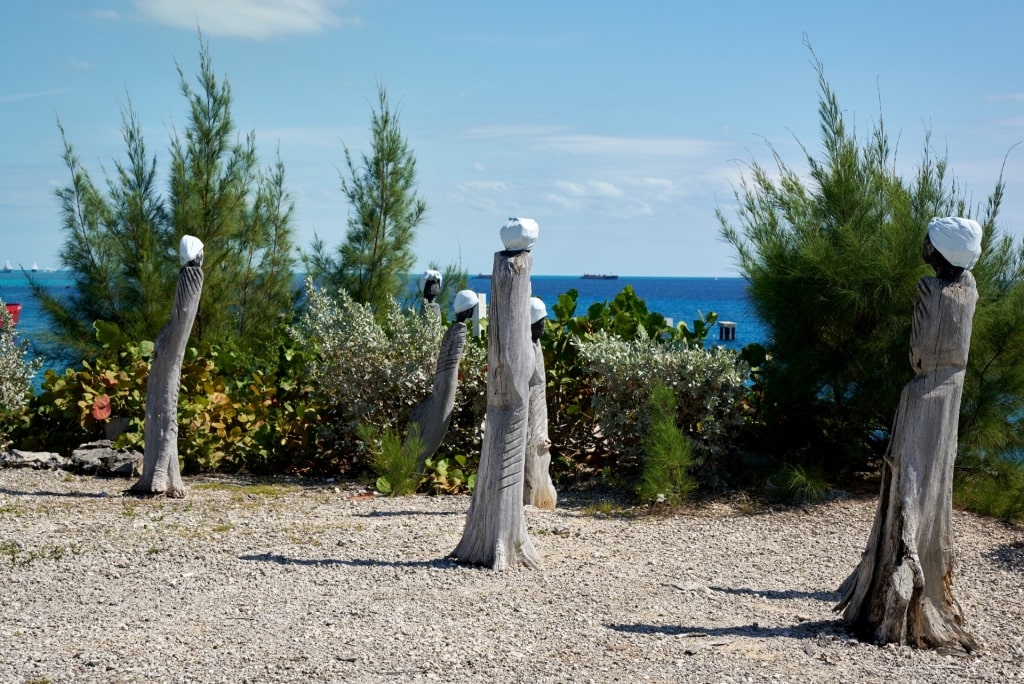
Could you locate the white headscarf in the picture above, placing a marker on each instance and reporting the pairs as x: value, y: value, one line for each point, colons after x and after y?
x: 465, y: 300
x: 189, y: 248
x: 429, y: 275
x: 519, y: 233
x: 957, y: 239
x: 537, y: 309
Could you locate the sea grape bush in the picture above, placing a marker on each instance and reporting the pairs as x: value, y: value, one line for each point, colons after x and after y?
x: 16, y: 372
x: 708, y: 386
x: 230, y: 417
x: 580, y: 448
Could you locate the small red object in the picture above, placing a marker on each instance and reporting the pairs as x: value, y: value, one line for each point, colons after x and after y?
x: 15, y: 311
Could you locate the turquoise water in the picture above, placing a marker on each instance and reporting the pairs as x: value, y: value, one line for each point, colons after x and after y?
x: 679, y: 299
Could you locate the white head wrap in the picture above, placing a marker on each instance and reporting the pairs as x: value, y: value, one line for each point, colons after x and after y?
x: 957, y: 239
x: 189, y: 248
x: 429, y: 275
x: 519, y: 233
x: 465, y: 300
x: 537, y: 310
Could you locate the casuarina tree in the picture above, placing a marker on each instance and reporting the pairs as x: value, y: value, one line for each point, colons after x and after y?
x: 119, y: 243
x: 833, y: 259
x: 374, y: 261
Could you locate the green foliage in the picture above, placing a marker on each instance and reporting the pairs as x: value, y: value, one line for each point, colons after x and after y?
x: 579, y: 450
x: 991, y: 486
x: 707, y: 386
x: 833, y: 264
x: 455, y: 475
x: 664, y: 476
x: 16, y: 373
x: 393, y: 458
x: 373, y: 262
x: 801, y: 484
x: 231, y: 417
x: 374, y: 370
x: 122, y: 244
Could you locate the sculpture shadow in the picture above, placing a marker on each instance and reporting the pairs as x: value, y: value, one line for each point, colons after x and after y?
x: 69, y: 495
x: 800, y: 630
x: 1007, y: 556
x: 785, y: 595
x: 437, y: 563
x: 392, y: 514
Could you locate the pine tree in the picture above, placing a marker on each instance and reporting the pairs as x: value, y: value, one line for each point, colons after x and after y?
x: 122, y: 244
x: 833, y: 264
x: 374, y: 261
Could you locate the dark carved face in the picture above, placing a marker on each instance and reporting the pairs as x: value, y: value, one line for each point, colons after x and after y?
x: 537, y: 329
x: 430, y: 290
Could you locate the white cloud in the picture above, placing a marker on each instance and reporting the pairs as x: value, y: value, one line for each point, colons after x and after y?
x: 106, y: 14
x: 478, y: 167
x: 80, y: 65
x: 482, y: 186
x: 18, y: 97
x: 635, y: 147
x: 246, y: 18
x: 512, y: 131
x: 1014, y: 121
x: 1003, y: 97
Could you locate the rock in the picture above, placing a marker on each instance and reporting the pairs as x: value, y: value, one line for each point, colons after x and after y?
x: 93, y: 458
x: 39, y: 460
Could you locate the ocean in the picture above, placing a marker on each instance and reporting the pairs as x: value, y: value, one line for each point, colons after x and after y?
x: 679, y: 299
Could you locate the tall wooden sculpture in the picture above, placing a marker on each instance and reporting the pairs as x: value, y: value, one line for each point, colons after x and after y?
x: 433, y: 415
x: 902, y: 590
x: 160, y: 469
x: 538, y: 489
x: 495, y: 535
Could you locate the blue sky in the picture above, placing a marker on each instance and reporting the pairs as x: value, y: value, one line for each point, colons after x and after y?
x: 619, y: 126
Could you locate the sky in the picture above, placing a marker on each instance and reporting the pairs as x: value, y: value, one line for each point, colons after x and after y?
x: 621, y: 127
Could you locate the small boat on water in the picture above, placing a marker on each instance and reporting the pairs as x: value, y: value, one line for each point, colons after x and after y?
x: 7, y: 267
x: 599, y: 276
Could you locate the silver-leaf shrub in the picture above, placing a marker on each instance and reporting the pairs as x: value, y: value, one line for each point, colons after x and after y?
x: 373, y: 369
x: 16, y: 371
x: 708, y: 385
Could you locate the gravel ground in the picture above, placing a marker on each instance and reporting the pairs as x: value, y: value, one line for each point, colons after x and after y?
x: 310, y: 582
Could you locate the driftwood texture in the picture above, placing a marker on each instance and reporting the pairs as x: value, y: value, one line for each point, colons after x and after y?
x: 434, y: 414
x: 902, y: 590
x: 160, y: 470
x: 538, y: 489
x: 495, y: 535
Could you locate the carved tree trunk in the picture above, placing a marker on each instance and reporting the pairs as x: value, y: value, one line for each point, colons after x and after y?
x: 433, y: 415
x: 160, y: 470
x: 902, y: 590
x: 495, y: 535
x: 538, y: 489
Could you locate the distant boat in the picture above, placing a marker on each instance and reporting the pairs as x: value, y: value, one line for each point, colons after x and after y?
x: 599, y: 276
x: 485, y: 276
x: 35, y: 267
x: 8, y: 268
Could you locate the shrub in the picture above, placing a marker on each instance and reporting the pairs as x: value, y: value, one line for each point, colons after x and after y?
x: 393, y: 458
x: 373, y: 369
x: 991, y: 486
x: 230, y: 416
x: 708, y: 386
x: 667, y: 454
x: 16, y: 372
x: 580, y: 449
